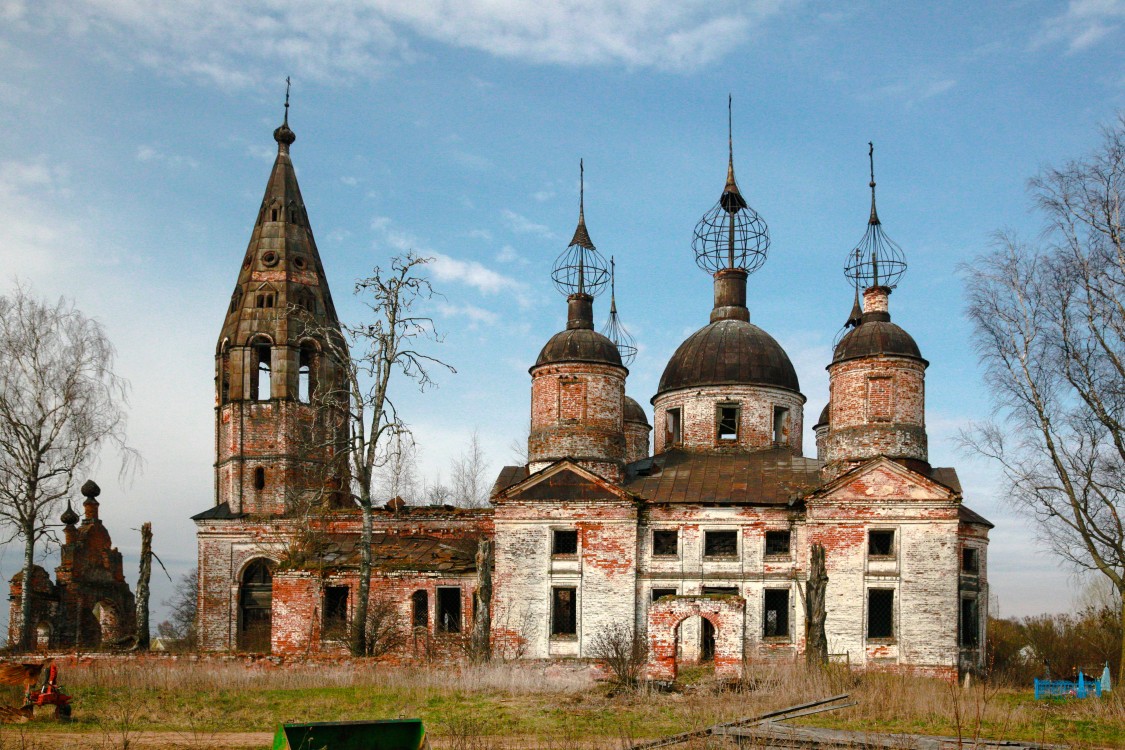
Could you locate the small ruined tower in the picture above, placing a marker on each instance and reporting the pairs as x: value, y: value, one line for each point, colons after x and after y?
x: 578, y: 381
x: 877, y: 404
x: 271, y: 367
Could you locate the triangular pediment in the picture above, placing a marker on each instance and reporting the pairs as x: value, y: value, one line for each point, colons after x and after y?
x: 564, y: 480
x: 883, y: 480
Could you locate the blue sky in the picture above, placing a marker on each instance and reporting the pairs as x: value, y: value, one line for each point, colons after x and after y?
x: 137, y: 142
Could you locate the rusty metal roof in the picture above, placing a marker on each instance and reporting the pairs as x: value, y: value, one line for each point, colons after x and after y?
x: 509, y: 475
x: 426, y: 554
x: 769, y: 477
x: 825, y: 413
x: 579, y: 345
x: 729, y: 352
x: 876, y: 337
x: 968, y: 515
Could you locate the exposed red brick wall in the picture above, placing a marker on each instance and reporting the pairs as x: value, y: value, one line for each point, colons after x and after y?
x: 699, y: 422
x: 577, y: 411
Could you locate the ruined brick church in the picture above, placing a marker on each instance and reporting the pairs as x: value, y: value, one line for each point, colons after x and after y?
x: 700, y: 545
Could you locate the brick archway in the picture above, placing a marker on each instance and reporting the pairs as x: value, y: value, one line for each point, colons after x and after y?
x: 726, y: 613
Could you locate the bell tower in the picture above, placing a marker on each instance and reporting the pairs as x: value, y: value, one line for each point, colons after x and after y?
x: 272, y: 370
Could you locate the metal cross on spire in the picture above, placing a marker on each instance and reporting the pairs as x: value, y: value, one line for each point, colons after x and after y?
x: 877, y: 260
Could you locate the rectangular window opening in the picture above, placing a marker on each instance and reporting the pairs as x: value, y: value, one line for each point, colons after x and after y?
x: 970, y: 623
x: 775, y: 623
x: 777, y: 543
x: 881, y: 543
x: 449, y: 609
x: 720, y: 544
x: 665, y: 543
x: 335, y: 612
x: 970, y: 560
x: 720, y: 591
x: 780, y: 424
x: 564, y: 543
x: 880, y: 614
x: 658, y: 594
x: 727, y: 415
x: 672, y: 434
x: 420, y: 609
x: 564, y: 612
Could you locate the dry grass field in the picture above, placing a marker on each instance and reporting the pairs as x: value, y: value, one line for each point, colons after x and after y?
x: 150, y: 703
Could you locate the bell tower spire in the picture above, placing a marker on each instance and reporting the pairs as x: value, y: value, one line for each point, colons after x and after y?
x: 271, y: 367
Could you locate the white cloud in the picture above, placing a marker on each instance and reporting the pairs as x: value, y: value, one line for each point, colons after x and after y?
x: 473, y: 274
x: 543, y: 195
x: 522, y: 225
x: 1082, y: 25
x: 152, y: 153
x: 475, y: 316
x: 508, y: 254
x: 916, y: 88
x: 242, y: 44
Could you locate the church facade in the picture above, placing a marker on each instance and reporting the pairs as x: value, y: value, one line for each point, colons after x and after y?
x: 701, y: 545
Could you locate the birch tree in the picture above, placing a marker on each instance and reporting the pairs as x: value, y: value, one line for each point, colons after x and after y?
x: 61, y: 402
x: 370, y: 355
x: 1049, y: 325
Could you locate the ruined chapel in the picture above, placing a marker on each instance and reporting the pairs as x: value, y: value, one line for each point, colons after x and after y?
x: 702, y: 544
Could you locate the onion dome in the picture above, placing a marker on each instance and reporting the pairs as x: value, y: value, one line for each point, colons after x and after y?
x: 579, y: 345
x: 283, y: 135
x: 580, y: 269
x: 634, y: 412
x: 729, y: 352
x: 731, y: 235
x: 877, y: 260
x: 69, y: 517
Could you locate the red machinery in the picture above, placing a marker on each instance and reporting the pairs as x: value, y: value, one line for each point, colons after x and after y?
x: 50, y: 695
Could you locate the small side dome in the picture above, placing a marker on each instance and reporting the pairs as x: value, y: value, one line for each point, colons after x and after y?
x: 874, y: 338
x: 69, y: 517
x: 634, y: 412
x: 729, y: 352
x: 579, y: 345
x: 822, y: 420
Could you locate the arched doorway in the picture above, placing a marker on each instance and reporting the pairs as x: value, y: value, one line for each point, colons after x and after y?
x: 695, y: 642
x: 255, y: 605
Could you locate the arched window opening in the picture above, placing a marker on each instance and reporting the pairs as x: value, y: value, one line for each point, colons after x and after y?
x: 306, y: 374
x: 255, y: 606
x: 260, y: 372
x: 224, y: 375
x: 420, y: 609
x: 259, y: 478
x: 273, y: 215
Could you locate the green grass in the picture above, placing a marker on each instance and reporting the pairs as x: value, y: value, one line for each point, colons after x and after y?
x: 545, y: 703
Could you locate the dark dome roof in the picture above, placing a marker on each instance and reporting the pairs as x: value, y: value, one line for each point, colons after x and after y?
x: 579, y: 345
x: 824, y: 413
x: 875, y: 337
x: 729, y: 352
x: 634, y: 412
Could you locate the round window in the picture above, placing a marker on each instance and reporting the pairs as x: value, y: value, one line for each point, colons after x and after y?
x: 299, y: 262
x: 270, y: 258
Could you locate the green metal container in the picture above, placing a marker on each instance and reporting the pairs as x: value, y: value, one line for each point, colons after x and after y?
x: 391, y: 734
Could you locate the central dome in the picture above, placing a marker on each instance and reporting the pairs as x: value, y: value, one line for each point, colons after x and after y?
x: 729, y: 352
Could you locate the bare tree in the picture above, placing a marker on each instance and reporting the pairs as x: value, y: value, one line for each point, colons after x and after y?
x: 1049, y: 322
x: 369, y: 355
x: 183, y: 607
x: 437, y: 492
x: 470, y: 475
x: 623, y: 650
x: 397, y: 476
x: 60, y: 403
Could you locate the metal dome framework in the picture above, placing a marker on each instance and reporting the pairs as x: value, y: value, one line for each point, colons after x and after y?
x: 877, y: 260
x: 581, y: 269
x: 731, y: 234
x: 614, y: 330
